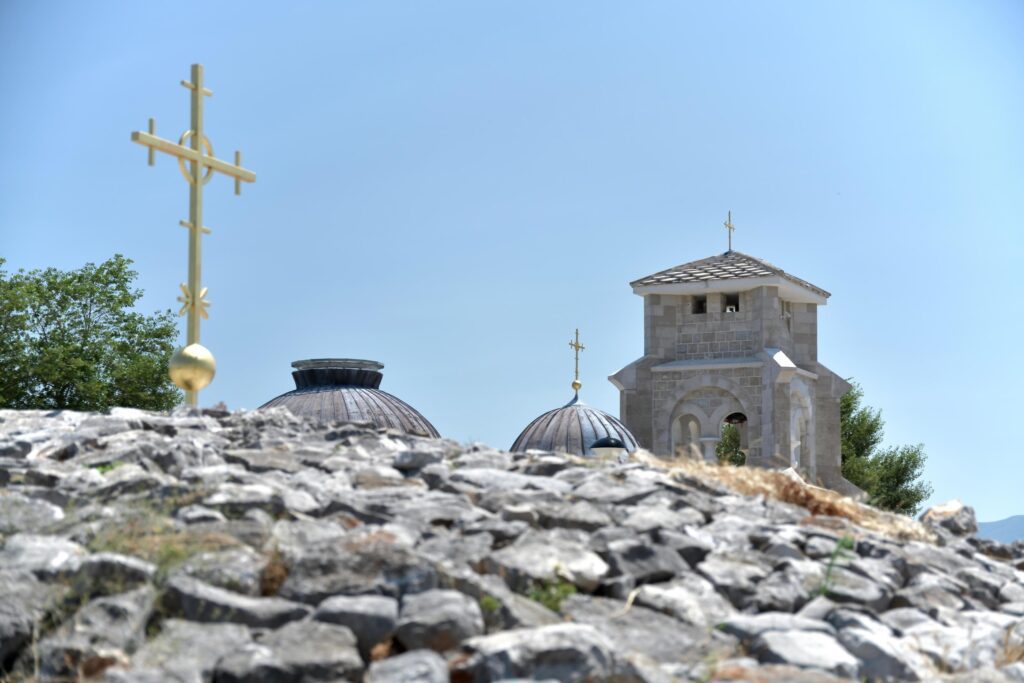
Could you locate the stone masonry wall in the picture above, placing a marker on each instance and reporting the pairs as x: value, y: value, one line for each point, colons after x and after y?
x: 744, y: 391
x: 716, y: 334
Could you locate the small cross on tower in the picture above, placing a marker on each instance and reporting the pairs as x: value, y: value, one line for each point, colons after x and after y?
x: 730, y: 227
x: 192, y: 367
x: 577, y: 347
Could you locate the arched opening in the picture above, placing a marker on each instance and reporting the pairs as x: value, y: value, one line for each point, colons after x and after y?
x: 799, y: 440
x: 686, y: 437
x: 801, y: 430
x: 732, y: 445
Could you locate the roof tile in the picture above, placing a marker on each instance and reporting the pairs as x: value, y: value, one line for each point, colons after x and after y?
x: 731, y: 265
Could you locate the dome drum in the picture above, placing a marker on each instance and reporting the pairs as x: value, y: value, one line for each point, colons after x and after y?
x: 346, y: 390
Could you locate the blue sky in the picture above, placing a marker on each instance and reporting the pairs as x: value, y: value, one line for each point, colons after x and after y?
x: 452, y: 188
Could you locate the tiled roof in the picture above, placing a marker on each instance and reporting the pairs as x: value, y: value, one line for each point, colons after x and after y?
x: 732, y: 265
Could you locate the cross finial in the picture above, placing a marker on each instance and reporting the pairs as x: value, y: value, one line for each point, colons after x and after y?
x: 192, y: 367
x: 730, y: 227
x: 577, y: 347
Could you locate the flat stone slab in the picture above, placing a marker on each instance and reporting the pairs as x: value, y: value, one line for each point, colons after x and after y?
x: 563, y: 652
x: 416, y: 666
x: 197, y: 601
x: 47, y: 557
x: 807, y: 650
x: 21, y: 513
x: 183, y: 651
x: 746, y: 627
x: 298, y: 651
x: 535, y: 560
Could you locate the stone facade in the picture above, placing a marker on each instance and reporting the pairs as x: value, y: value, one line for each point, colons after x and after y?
x: 739, y: 346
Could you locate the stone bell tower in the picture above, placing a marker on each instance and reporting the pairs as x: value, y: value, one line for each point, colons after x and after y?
x: 733, y: 339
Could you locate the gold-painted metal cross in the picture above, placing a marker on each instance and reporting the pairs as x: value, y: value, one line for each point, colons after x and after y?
x: 197, y: 163
x: 577, y: 347
x: 730, y: 227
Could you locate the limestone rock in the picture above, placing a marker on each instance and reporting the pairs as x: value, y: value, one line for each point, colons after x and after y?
x: 646, y: 632
x: 47, y: 557
x: 689, y: 547
x: 24, y: 601
x: 647, y: 518
x: 545, y: 559
x: 438, y: 620
x: 574, y: 653
x: 416, y: 666
x: 747, y: 627
x: 110, y: 573
x: 235, y: 569
x: 183, y: 651
x: 690, y: 598
x: 19, y: 513
x: 882, y: 656
x: 298, y: 651
x: 357, y: 534
x: 807, y: 650
x: 930, y: 598
x: 577, y: 515
x: 264, y: 460
x: 953, y: 516
x: 644, y: 562
x: 376, y: 563
x: 234, y: 500
x: 197, y: 601
x: 735, y: 575
x: 372, y: 618
x: 99, y: 635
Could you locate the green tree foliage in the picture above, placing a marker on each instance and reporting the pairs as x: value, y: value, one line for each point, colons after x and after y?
x: 728, y: 447
x: 861, y: 428
x: 70, y: 340
x: 890, y: 476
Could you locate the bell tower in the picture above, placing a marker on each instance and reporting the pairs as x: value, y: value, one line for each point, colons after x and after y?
x: 732, y: 339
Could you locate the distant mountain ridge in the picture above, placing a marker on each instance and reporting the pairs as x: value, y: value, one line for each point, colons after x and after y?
x: 1005, y: 530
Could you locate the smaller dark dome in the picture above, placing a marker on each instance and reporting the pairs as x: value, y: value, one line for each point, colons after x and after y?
x: 574, y: 428
x: 345, y: 390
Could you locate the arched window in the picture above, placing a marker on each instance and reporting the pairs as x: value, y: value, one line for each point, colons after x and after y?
x: 732, y: 446
x: 686, y: 437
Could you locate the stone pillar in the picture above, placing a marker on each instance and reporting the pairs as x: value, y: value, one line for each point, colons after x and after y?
x: 710, y: 443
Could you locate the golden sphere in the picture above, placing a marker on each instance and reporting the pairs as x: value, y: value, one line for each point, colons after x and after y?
x: 576, y: 385
x: 192, y: 367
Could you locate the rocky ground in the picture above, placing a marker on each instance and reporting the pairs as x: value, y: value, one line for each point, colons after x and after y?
x: 255, y: 547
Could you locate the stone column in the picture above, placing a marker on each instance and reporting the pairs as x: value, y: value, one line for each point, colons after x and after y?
x: 710, y: 443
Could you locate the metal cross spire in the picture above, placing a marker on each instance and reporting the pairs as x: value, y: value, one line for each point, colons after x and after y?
x: 192, y: 368
x: 730, y: 227
x: 577, y: 347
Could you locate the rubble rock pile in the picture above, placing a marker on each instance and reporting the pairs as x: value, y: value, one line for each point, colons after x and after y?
x: 255, y: 546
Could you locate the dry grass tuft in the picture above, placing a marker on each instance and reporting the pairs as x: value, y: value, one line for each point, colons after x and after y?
x: 773, y: 484
x: 1013, y: 647
x: 153, y: 537
x: 369, y: 540
x: 273, y: 575
x: 381, y: 650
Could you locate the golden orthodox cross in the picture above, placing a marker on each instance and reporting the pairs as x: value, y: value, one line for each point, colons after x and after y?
x: 730, y: 227
x: 577, y: 347
x: 192, y: 368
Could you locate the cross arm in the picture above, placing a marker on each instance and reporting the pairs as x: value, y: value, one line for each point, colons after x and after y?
x: 189, y: 154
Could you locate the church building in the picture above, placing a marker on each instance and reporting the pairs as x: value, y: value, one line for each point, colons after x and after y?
x: 732, y: 339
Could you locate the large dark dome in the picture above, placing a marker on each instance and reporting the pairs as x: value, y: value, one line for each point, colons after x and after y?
x: 345, y: 390
x: 573, y: 428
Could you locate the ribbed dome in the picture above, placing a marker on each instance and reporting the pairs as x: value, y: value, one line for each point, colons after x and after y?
x: 573, y: 428
x: 345, y: 390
